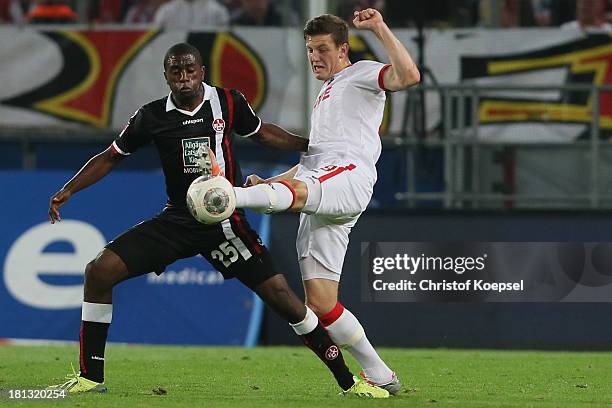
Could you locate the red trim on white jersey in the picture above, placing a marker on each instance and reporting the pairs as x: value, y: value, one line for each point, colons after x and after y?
x: 336, y: 172
x: 381, y: 82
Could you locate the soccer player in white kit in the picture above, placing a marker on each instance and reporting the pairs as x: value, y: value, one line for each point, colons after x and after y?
x: 333, y: 182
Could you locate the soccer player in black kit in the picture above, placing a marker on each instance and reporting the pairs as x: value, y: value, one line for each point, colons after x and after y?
x: 194, y: 116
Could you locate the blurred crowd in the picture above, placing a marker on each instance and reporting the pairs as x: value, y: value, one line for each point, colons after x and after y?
x: 584, y: 14
x: 165, y: 13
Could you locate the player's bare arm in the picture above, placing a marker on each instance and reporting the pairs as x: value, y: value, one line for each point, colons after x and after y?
x: 275, y: 136
x: 403, y: 72
x: 95, y: 169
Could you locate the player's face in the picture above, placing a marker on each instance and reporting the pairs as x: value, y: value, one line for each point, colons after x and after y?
x: 184, y: 76
x: 325, y: 57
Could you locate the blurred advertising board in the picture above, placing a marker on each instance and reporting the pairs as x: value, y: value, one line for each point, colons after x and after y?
x: 41, y: 289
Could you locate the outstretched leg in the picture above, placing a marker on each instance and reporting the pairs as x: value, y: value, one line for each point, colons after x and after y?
x: 281, y: 193
x: 321, y: 288
x: 275, y: 292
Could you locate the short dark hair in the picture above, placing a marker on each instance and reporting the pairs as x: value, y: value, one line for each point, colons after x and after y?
x: 182, y: 49
x: 328, y: 24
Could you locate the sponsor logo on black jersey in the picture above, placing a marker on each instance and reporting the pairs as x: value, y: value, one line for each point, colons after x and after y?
x: 191, y: 149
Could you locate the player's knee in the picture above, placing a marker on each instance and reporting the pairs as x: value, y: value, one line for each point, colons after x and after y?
x: 275, y: 289
x: 98, y: 276
x: 308, y: 197
x: 320, y: 306
x: 93, y: 277
x: 301, y: 194
x: 277, y: 294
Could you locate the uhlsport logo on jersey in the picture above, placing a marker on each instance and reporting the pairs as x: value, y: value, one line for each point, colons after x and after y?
x: 218, y: 125
x: 191, y: 151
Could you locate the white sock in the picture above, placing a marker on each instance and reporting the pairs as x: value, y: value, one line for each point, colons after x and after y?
x: 97, y: 312
x: 313, y: 200
x: 310, y: 322
x: 265, y: 198
x: 346, y: 331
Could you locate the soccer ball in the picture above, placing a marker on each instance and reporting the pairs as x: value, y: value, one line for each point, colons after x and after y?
x: 211, y: 200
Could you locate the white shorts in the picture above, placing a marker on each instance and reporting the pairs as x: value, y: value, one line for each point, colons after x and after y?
x: 324, y: 233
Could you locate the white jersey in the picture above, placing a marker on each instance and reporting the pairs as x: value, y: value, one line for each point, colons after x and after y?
x: 346, y: 117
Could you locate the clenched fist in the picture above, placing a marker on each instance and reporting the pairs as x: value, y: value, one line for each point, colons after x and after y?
x: 367, y: 19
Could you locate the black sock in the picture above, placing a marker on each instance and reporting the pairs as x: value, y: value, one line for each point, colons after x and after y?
x: 93, y: 341
x: 319, y: 341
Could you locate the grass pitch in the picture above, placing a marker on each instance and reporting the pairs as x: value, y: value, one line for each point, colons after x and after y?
x: 151, y: 376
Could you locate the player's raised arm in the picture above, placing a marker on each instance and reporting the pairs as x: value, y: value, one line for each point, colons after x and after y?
x: 403, y: 72
x: 273, y: 135
x: 96, y: 168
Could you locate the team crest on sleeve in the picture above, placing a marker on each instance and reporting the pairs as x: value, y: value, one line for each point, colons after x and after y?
x: 191, y: 149
x: 218, y: 125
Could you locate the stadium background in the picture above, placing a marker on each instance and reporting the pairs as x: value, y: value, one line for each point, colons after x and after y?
x: 505, y: 140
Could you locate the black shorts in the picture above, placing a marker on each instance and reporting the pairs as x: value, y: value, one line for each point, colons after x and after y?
x: 233, y: 248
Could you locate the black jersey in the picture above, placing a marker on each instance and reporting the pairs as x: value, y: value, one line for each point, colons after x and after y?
x: 179, y: 134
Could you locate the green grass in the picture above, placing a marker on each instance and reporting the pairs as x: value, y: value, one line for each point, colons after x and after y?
x: 288, y: 376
